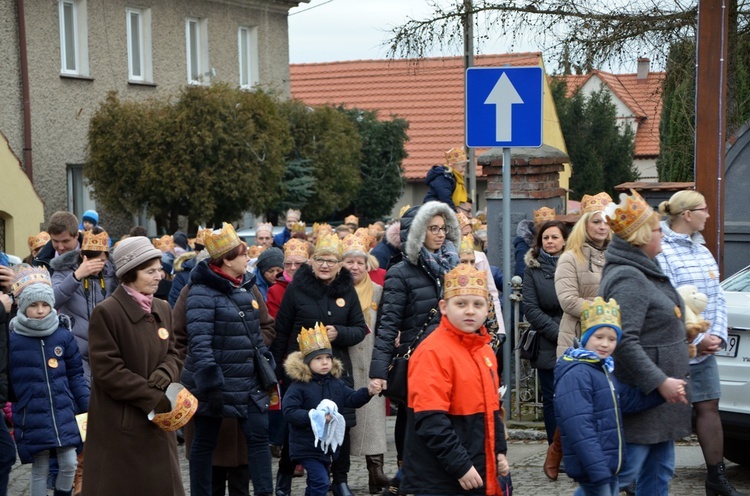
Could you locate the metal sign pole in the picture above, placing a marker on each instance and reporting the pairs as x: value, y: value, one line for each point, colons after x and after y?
x: 506, y: 272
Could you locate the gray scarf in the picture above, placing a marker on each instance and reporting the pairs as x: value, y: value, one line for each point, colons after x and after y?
x: 35, y: 328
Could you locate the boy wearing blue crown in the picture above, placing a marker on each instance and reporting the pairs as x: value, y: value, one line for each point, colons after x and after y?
x: 310, y: 405
x: 589, y: 402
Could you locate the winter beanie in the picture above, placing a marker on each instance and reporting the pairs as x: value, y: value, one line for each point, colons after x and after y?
x: 38, y: 291
x: 272, y: 257
x: 181, y: 240
x: 91, y: 216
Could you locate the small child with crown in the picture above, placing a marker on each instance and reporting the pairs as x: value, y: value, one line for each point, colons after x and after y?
x: 311, y: 403
x: 589, y: 402
x: 453, y: 399
x: 47, y: 374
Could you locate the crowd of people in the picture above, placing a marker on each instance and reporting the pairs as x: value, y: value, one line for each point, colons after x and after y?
x: 288, y: 346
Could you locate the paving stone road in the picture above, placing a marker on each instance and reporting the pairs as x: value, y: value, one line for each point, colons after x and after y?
x: 526, y: 457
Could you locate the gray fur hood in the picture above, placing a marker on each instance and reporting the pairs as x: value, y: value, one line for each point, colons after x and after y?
x: 530, y: 261
x: 298, y: 370
x: 417, y: 229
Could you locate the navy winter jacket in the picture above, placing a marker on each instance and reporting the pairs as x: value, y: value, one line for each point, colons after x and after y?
x: 384, y: 252
x: 589, y: 404
x: 183, y: 265
x: 221, y: 347
x: 47, y: 374
x: 440, y: 183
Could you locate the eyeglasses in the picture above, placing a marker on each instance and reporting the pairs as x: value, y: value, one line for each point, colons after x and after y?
x: 294, y: 264
x: 465, y: 210
x: 704, y: 209
x: 325, y: 263
x: 436, y: 229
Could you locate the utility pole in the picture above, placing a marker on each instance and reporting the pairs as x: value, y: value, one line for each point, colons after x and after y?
x: 469, y: 62
x: 710, y: 117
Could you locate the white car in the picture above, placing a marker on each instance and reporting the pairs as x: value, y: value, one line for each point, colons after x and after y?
x: 734, y: 369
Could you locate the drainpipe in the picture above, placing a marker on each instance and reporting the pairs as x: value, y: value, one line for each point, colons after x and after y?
x: 25, y: 92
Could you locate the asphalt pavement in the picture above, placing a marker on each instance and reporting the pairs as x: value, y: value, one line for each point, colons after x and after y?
x: 526, y: 452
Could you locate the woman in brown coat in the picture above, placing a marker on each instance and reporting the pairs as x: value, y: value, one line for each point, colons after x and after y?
x: 133, y: 359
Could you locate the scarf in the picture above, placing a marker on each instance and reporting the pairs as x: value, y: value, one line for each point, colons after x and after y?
x: 365, y: 291
x: 35, y: 328
x: 234, y: 280
x: 584, y: 354
x: 442, y: 261
x: 459, y: 192
x: 550, y: 258
x: 144, y: 301
x: 286, y: 276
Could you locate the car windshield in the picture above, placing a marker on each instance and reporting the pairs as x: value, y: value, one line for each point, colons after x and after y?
x: 738, y: 282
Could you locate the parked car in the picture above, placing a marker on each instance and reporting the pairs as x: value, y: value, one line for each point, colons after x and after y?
x: 734, y: 369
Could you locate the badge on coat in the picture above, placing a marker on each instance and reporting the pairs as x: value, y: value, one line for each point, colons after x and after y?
x: 58, y: 351
x: 255, y: 305
x: 52, y: 362
x: 678, y: 312
x: 374, y: 305
x: 488, y: 361
x: 340, y: 302
x: 163, y: 333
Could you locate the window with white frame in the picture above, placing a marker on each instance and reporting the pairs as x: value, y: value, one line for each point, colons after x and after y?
x: 74, y: 52
x: 247, y: 39
x: 79, y: 191
x: 196, y: 38
x: 139, y: 44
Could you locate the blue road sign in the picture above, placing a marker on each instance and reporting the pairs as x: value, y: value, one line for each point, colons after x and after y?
x: 504, y: 106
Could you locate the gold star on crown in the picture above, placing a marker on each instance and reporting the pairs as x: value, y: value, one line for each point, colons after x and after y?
x: 626, y: 217
x: 26, y: 275
x: 543, y: 215
x: 600, y: 313
x: 595, y: 203
x: 313, y: 339
x: 95, y: 242
x: 222, y: 241
x: 465, y: 280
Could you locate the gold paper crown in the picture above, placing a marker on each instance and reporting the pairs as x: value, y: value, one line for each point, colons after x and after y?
x: 352, y: 242
x: 600, y: 313
x: 26, y: 275
x: 313, y: 339
x: 455, y: 156
x: 95, y: 242
x: 403, y: 210
x: 255, y: 250
x: 200, y: 237
x: 369, y: 240
x: 595, y: 203
x: 330, y: 243
x: 465, y: 280
x: 467, y: 245
x: 629, y: 215
x: 264, y: 226
x: 38, y: 241
x: 321, y: 228
x: 295, y: 214
x: 543, y: 215
x: 165, y: 243
x: 298, y: 227
x: 476, y: 224
x: 221, y: 241
x: 374, y: 229
x: 463, y: 220
x: 184, y: 406
x: 352, y: 219
x: 297, y: 248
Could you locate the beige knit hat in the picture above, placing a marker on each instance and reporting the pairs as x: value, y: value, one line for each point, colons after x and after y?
x: 132, y: 252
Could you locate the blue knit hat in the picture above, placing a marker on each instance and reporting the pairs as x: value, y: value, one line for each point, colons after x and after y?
x: 91, y: 216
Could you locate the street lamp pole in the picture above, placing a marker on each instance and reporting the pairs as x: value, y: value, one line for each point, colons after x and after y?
x: 469, y: 62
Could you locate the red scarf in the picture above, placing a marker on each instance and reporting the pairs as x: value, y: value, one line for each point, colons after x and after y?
x: 234, y: 280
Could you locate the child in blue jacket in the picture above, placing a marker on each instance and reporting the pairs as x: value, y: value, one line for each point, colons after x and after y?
x: 47, y: 372
x: 589, y: 402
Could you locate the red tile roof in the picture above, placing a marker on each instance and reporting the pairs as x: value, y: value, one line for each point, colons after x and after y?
x: 641, y: 96
x: 428, y: 94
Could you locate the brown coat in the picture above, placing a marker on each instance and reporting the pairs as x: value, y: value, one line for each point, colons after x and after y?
x: 126, y: 454
x: 576, y: 281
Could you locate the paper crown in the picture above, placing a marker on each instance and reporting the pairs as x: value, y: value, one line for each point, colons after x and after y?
x: 200, y: 237
x: 352, y: 219
x: 543, y: 215
x: 184, y: 406
x: 95, y: 242
x: 165, y: 243
x: 465, y: 280
x: 463, y: 220
x: 403, y: 210
x: 467, y: 245
x: 455, y: 156
x: 264, y: 226
x: 352, y: 242
x: 36, y: 242
x: 293, y: 214
x: 321, y: 228
x: 297, y: 248
x: 298, y: 227
x: 313, y: 339
x: 222, y: 241
x: 26, y: 275
x: 330, y: 243
x: 255, y: 250
x: 631, y: 213
x: 374, y: 229
x: 370, y: 240
x: 600, y: 313
x: 595, y: 203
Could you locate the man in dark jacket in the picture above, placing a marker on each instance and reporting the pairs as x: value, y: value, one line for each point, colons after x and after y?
x: 64, y: 237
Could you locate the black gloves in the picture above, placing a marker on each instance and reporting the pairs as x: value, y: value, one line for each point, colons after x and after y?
x: 501, y: 339
x: 159, y: 379
x: 163, y: 406
x: 214, y: 403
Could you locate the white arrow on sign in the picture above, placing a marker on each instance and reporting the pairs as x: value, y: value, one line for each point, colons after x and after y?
x: 503, y: 96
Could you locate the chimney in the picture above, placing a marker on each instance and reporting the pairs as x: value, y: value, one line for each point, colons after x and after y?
x: 644, y: 66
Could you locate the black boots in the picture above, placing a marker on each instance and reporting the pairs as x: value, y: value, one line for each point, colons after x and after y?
x: 62, y: 493
x: 283, y: 484
x: 717, y: 483
x: 341, y: 489
x: 376, y: 480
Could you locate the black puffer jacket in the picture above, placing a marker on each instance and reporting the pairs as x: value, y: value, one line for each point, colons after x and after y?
x: 541, y: 307
x: 411, y: 289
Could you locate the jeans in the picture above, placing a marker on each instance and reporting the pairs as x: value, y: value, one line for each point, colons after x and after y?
x: 66, y: 460
x: 651, y: 466
x: 255, y: 428
x: 547, y: 383
x: 317, y: 477
x: 585, y: 489
x: 7, y: 456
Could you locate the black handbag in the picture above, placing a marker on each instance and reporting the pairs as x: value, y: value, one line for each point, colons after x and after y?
x: 263, y: 360
x: 399, y: 367
x: 528, y: 345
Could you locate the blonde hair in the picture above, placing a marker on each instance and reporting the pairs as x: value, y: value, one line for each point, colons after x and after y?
x: 578, y: 235
x: 642, y: 235
x: 681, y: 201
